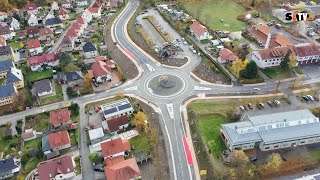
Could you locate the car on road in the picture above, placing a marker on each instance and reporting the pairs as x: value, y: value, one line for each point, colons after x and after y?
x: 305, y: 98
x: 242, y: 108
x: 98, y: 167
x: 253, y: 158
x: 185, y: 42
x: 277, y: 103
x: 194, y: 52
x: 270, y: 103
x: 257, y: 89
x: 250, y: 106
x: 261, y: 105
x: 310, y: 97
x: 114, y: 85
x: 269, y: 23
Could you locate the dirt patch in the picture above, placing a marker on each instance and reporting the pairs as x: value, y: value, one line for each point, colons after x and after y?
x: 129, y: 69
x: 136, y: 37
x: 207, y: 71
x: 160, y: 167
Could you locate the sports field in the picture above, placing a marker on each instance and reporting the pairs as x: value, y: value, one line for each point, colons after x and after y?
x: 211, y: 12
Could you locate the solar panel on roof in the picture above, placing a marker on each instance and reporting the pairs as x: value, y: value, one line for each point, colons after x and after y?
x: 125, y: 106
x: 109, y: 111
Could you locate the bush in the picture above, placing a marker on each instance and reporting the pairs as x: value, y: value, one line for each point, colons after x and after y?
x: 252, y: 81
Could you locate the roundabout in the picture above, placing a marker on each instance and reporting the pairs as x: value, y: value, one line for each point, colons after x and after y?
x: 165, y: 85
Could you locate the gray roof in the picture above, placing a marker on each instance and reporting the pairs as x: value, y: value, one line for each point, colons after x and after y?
x: 12, y: 78
x: 53, y: 21
x: 42, y: 86
x: 6, y: 65
x: 73, y: 76
x: 272, y: 128
x: 45, y: 143
x: 7, y: 90
x: 88, y: 47
x: 6, y: 165
x: 314, y: 9
x: 4, y: 50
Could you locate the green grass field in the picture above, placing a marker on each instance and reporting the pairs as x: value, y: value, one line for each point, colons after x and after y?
x: 210, y: 13
x: 33, y: 76
x: 140, y: 143
x: 277, y: 73
x: 52, y: 99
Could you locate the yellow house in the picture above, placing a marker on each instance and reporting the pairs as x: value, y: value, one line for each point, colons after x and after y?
x: 7, y: 93
x: 5, y: 67
x: 15, y: 77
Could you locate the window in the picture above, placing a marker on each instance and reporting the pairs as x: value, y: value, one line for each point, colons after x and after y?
x: 302, y: 142
x: 267, y: 147
x: 277, y: 146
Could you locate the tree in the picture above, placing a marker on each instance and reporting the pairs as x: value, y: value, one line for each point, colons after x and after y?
x: 285, y: 62
x: 293, y: 60
x: 93, y: 157
x: 87, y: 81
x: 119, y: 96
x: 297, y: 82
x: 274, y: 162
x: 65, y: 59
x: 70, y: 67
x: 238, y: 158
x: 238, y: 65
x: 70, y: 92
x: 251, y: 71
x: 16, y: 16
x: 120, y: 74
x: 140, y: 121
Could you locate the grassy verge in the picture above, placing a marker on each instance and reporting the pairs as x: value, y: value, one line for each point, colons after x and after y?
x: 277, y: 73
x: 56, y: 98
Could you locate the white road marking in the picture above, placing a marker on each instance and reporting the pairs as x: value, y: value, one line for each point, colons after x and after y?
x: 199, y: 88
x: 150, y: 67
x: 170, y: 110
x: 134, y: 88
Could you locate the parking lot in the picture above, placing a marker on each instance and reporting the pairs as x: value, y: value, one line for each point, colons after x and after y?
x: 311, y: 70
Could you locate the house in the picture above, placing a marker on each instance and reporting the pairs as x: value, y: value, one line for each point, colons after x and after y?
x: 115, y: 147
x: 199, y: 31
x: 15, y: 11
x: 63, y: 14
x: 3, y: 41
x: 82, y: 3
x: 9, y: 167
x: 272, y: 131
x: 50, y: 15
x: 6, y: 53
x: 307, y: 53
x: 31, y: 8
x: 22, y: 35
x: 46, y: 34
x: 67, y: 44
x: 29, y: 135
x: 6, y: 32
x: 5, y: 67
x: 48, y: 60
x: 226, y: 56
x: 15, y: 24
x: 120, y: 169
x: 101, y: 71
x: 60, y: 117
x: 261, y: 32
x: 15, y: 77
x: 116, y: 108
x: 77, y: 28
x: 270, y: 57
x: 95, y: 12
x: 32, y: 20
x: 116, y: 124
x: 58, y: 168
x: 42, y: 88
x: 33, y: 31
x: 90, y: 50
x: 66, y: 4
x: 54, y: 23
x: 7, y: 94
x: 55, y: 142
x: 54, y: 6
x: 96, y: 133
x: 87, y: 16
x: 34, y: 47
x: 82, y: 22
x: 72, y: 79
x: 3, y: 16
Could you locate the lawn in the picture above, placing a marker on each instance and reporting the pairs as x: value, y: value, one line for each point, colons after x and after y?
x: 16, y: 44
x: 33, y: 76
x: 211, y: 13
x: 38, y: 122
x: 56, y: 98
x: 140, y: 143
x: 9, y: 146
x: 1, y: 81
x: 315, y: 154
x: 73, y: 137
x: 277, y: 73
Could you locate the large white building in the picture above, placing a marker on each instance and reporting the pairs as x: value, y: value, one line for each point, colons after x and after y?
x: 272, y: 131
x: 116, y: 108
x: 270, y: 57
x: 307, y: 53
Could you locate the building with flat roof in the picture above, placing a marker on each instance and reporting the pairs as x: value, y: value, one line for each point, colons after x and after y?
x: 272, y: 131
x: 116, y: 108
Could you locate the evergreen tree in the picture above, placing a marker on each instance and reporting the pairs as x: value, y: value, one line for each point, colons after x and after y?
x: 285, y: 62
x: 251, y: 71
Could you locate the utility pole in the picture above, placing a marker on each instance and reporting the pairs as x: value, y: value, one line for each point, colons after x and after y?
x: 278, y: 85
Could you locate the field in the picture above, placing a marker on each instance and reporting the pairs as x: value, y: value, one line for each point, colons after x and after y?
x: 277, y: 73
x: 210, y: 13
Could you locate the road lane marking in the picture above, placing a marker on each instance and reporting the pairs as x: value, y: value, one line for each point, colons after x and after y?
x: 170, y: 110
x: 150, y: 67
x: 134, y: 88
x: 187, y: 150
x: 199, y: 88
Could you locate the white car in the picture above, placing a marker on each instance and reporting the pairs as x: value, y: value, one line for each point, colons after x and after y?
x: 277, y: 102
x: 310, y: 97
x: 257, y: 89
x: 194, y: 52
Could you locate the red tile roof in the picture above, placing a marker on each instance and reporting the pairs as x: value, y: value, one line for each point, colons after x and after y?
x: 59, y: 116
x: 2, y: 41
x: 50, y: 57
x: 76, y: 26
x: 62, y: 11
x: 100, y: 68
x: 94, y: 10
x: 275, y: 52
x: 45, y: 31
x: 3, y: 14
x: 60, y: 165
x: 80, y: 20
x: 114, y: 160
x: 225, y: 54
x: 96, y: 4
x: 66, y: 40
x: 114, y: 123
x: 198, y: 28
x: 72, y: 33
x: 31, y: 6
x: 307, y: 49
x: 114, y: 146
x: 34, y: 43
x: 27, y: 135
x: 59, y: 139
x: 15, y: 11
x: 33, y: 30
x: 101, y: 58
x: 126, y: 169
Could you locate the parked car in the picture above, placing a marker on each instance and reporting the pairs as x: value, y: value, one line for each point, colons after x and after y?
x: 310, y: 97
x: 250, y: 106
x: 98, y: 167
x: 261, y: 105
x: 114, y: 85
x: 96, y: 84
x: 185, y: 42
x: 269, y: 23
x: 257, y: 89
x: 253, y: 158
x: 270, y: 103
x: 305, y: 98
x: 242, y: 108
x: 277, y: 103
x: 278, y: 26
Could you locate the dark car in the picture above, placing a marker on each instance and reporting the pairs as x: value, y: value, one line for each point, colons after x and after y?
x: 98, y: 167
x: 253, y: 158
x: 250, y: 106
x: 270, y: 103
x: 261, y: 105
x: 305, y: 98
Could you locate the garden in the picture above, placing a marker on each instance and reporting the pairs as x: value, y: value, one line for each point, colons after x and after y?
x: 56, y: 98
x: 39, y: 122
